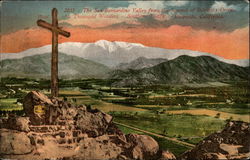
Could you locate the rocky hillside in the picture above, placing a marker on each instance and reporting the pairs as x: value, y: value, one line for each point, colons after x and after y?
x: 184, y: 69
x: 231, y: 143
x: 38, y: 66
x: 55, y: 129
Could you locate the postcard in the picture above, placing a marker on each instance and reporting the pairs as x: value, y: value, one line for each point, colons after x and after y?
x: 144, y: 80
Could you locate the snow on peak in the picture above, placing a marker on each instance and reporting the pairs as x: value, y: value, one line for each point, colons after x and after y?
x: 128, y: 45
x: 102, y: 42
x: 113, y: 46
x: 106, y: 45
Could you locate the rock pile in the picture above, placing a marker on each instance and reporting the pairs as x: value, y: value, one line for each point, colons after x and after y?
x: 56, y: 129
x: 233, y: 142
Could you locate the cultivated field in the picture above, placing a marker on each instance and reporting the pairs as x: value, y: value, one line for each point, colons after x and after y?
x: 186, y: 113
x: 212, y: 113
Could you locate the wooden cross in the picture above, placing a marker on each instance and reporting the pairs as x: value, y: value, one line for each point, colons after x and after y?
x: 54, y: 58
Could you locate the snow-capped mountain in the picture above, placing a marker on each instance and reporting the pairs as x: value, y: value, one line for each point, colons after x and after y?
x: 113, y: 46
x: 114, y: 53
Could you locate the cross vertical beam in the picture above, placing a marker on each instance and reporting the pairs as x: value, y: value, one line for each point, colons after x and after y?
x: 54, y: 57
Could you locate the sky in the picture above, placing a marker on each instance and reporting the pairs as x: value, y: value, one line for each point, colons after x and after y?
x: 217, y: 27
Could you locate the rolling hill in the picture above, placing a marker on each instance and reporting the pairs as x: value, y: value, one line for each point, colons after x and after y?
x: 184, y: 69
x: 38, y: 66
x: 140, y: 63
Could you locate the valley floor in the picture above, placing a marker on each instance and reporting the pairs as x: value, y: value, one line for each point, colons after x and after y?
x: 176, y: 116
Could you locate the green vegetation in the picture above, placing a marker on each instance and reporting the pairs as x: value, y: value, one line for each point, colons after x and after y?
x: 10, y: 104
x: 150, y: 107
x: 175, y: 148
x: 171, y: 125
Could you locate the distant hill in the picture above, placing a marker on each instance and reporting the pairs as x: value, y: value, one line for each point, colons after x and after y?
x: 114, y: 53
x: 184, y: 69
x: 38, y: 66
x: 140, y: 63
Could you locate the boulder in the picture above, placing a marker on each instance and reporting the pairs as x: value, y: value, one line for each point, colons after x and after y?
x: 14, y: 142
x: 94, y: 124
x: 98, y: 148
x: 166, y: 155
x: 143, y: 146
x: 108, y: 118
x: 35, y: 100
x: 18, y: 123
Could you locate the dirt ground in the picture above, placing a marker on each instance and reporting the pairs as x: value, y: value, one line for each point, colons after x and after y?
x: 212, y: 113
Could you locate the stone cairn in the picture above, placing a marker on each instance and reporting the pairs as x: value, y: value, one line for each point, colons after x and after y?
x: 56, y: 129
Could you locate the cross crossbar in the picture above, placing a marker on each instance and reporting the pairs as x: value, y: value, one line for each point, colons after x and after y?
x: 50, y: 27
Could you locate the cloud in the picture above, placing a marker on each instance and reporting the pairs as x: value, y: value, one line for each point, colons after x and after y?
x: 97, y: 18
x: 176, y: 3
x: 162, y: 13
x: 222, y: 7
x: 147, y: 4
x: 157, y: 4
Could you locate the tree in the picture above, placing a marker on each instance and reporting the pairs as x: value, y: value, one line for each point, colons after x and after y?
x: 217, y: 115
x: 164, y: 131
x: 229, y: 119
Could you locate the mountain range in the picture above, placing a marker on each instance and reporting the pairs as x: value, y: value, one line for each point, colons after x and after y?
x: 140, y: 63
x: 112, y: 54
x: 184, y: 69
x: 129, y: 63
x: 38, y: 66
